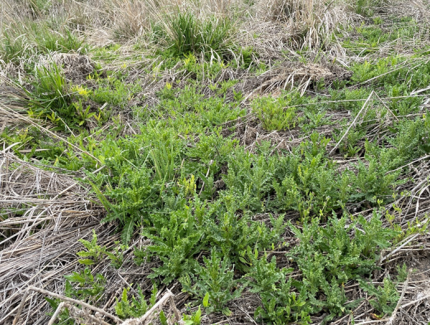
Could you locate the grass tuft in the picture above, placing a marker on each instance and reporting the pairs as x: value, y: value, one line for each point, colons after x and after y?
x: 185, y: 34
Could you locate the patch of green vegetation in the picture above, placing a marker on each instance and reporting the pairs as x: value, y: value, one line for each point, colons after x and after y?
x: 49, y: 97
x: 114, y: 91
x: 385, y: 297
x: 204, y: 45
x: 215, y: 281
x: 106, y: 54
x: 214, y: 211
x: 327, y: 257
x: 189, y: 111
x: 183, y: 218
x: 275, y: 113
x: 86, y: 287
x: 393, y: 71
x: 71, y: 107
x: 368, y: 38
x: 95, y: 253
x: 40, y: 6
x: 53, y: 99
x: 136, y: 307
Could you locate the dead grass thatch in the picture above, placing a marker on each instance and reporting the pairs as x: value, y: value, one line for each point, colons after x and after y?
x: 42, y: 216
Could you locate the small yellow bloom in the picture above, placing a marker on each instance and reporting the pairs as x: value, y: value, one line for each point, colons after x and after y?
x: 168, y: 85
x: 81, y: 91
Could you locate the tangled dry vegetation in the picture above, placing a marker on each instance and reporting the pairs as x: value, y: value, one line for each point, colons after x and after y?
x: 214, y: 162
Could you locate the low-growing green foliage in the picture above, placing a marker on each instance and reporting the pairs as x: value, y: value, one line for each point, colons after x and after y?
x: 63, y: 318
x: 215, y: 279
x: 367, y: 7
x: 391, y: 71
x: 50, y: 95
x: 214, y: 212
x: 279, y: 303
x: 95, y: 253
x: 175, y: 242
x: 385, y: 297
x: 84, y: 286
x: 137, y: 306
x: 194, y: 319
x: 55, y: 100
x: 275, y: 113
x: 114, y: 91
x: 327, y: 258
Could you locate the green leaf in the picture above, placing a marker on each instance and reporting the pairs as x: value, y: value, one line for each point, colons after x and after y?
x: 75, y: 277
x: 52, y: 302
x: 101, y: 197
x: 85, y: 254
x: 86, y: 262
x: 127, y: 232
x: 124, y: 295
x: 197, y: 316
x: 226, y: 312
x: 163, y: 318
x: 206, y: 300
x: 88, y: 245
x: 242, y: 260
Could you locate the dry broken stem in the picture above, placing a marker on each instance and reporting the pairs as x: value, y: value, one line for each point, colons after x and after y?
x: 168, y: 297
x: 63, y: 298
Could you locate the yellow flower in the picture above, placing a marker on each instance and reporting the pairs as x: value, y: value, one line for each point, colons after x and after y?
x: 168, y: 85
x: 81, y: 91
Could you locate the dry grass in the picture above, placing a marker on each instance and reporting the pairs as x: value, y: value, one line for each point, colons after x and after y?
x: 418, y: 9
x: 308, y: 23
x: 37, y: 247
x: 281, y: 24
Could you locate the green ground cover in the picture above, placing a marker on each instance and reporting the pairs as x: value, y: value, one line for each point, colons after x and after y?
x: 287, y: 198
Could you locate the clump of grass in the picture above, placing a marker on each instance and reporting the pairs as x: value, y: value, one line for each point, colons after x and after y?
x: 50, y: 88
x: 38, y: 7
x: 12, y: 48
x: 49, y: 97
x: 185, y: 33
x: 52, y: 98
